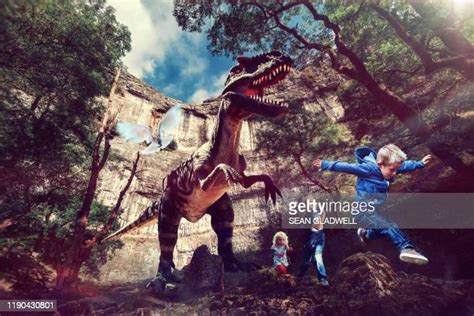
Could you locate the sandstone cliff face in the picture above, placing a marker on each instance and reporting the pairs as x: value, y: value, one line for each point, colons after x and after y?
x: 140, y: 103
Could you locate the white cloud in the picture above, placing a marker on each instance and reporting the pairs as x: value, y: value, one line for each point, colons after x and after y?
x: 155, y: 36
x: 215, y: 88
x: 220, y: 81
x: 199, y: 95
x: 170, y: 89
x: 159, y: 44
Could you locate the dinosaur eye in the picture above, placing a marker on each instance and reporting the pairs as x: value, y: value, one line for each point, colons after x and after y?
x: 236, y: 69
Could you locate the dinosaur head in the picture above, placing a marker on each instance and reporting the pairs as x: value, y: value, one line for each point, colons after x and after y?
x: 248, y: 80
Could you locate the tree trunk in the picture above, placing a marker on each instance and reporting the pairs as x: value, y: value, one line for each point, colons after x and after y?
x: 115, y: 211
x: 76, y: 254
x: 67, y: 274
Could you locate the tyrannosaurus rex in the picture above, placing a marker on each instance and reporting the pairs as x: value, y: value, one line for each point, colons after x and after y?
x: 199, y: 185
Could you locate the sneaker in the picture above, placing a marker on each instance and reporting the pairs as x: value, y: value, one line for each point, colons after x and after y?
x: 324, y: 282
x: 410, y: 255
x: 362, y: 233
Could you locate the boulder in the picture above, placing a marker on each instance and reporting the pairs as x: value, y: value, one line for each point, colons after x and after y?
x: 205, y: 271
x: 367, y: 284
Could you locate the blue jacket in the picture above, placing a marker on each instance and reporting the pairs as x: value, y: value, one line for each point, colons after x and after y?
x: 370, y: 184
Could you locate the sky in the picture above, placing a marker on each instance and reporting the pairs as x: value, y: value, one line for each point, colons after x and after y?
x: 175, y: 62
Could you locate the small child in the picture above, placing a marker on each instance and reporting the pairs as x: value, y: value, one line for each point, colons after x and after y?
x: 280, y: 247
x: 375, y: 172
x: 313, y: 252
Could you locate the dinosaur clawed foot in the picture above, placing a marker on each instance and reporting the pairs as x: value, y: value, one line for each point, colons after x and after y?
x: 271, y: 190
x: 165, y: 280
x: 163, y: 285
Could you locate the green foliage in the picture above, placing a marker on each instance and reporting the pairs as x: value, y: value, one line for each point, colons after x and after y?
x: 66, y: 48
x: 298, y: 138
x: 56, y: 58
x: 300, y: 131
x: 236, y: 28
x: 46, y: 231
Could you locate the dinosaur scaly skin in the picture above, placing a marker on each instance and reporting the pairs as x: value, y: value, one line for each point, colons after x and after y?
x: 199, y: 185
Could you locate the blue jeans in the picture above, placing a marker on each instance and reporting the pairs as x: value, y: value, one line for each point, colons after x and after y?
x: 378, y: 226
x: 313, y: 254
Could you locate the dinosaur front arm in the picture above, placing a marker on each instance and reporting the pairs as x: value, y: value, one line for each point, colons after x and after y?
x: 222, y: 173
x: 270, y: 188
x: 225, y: 173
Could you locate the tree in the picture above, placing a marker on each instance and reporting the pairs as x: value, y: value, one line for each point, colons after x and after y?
x: 299, y: 27
x: 55, y: 60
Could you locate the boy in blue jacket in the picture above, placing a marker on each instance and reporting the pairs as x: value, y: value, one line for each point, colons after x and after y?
x: 375, y: 172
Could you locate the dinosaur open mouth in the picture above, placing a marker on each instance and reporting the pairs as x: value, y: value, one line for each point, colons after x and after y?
x: 257, y: 87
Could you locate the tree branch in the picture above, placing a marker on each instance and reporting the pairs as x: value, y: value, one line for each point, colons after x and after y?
x: 259, y: 6
x: 294, y: 31
x: 307, y: 175
x: 417, y: 47
x: 389, y: 71
x: 451, y: 37
x: 105, y: 153
x: 113, y: 215
x: 461, y: 63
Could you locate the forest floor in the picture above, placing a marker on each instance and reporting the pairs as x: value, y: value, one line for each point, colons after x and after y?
x: 364, y: 284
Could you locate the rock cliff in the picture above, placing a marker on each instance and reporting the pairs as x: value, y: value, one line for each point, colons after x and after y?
x: 140, y: 103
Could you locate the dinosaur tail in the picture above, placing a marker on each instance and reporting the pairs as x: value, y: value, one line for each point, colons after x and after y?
x: 149, y: 216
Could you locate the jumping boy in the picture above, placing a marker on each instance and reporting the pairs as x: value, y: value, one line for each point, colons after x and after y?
x: 375, y: 172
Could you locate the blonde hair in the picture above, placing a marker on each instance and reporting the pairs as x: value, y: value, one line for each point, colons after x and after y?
x: 389, y: 154
x: 283, y: 237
